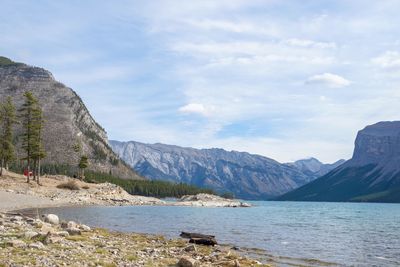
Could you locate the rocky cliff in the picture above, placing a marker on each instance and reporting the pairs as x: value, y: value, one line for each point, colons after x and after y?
x: 247, y: 176
x: 67, y: 120
x: 372, y: 174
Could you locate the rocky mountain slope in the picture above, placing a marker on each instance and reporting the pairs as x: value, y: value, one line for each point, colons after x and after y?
x: 373, y: 173
x: 67, y: 120
x: 314, y: 167
x: 247, y: 176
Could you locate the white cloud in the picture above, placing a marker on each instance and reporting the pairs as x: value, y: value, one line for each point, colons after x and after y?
x: 195, y: 108
x: 390, y: 59
x: 221, y: 25
x: 328, y: 79
x: 310, y: 43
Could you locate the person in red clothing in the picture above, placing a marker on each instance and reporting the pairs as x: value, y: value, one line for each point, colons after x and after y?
x: 26, y: 173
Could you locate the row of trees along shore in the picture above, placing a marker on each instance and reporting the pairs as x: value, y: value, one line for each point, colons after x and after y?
x: 30, y: 116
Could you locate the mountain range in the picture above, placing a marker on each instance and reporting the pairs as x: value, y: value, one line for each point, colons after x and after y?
x: 245, y: 175
x: 67, y: 120
x: 372, y: 174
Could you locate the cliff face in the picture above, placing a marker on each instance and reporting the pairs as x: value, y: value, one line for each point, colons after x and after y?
x: 378, y: 144
x: 67, y: 120
x: 372, y: 174
x: 247, y: 176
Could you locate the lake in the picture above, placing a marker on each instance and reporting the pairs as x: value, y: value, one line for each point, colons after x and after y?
x: 349, y: 234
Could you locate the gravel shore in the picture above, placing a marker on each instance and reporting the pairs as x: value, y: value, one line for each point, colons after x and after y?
x: 26, y: 241
x: 48, y: 242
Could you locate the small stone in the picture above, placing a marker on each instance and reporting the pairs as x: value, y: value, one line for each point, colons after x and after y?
x: 30, y: 234
x: 70, y: 224
x: 16, y: 219
x: 18, y: 222
x: 17, y: 243
x: 187, y: 262
x: 85, y: 228
x: 62, y: 233
x: 52, y: 239
x: 38, y: 223
x: 191, y: 248
x: 2, y: 228
x: 30, y: 220
x: 37, y: 245
x: 51, y: 218
x: 74, y: 231
x: 46, y: 228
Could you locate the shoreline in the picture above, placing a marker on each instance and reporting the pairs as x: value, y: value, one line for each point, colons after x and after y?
x: 26, y: 241
x: 68, y: 242
x: 15, y: 194
x: 16, y: 197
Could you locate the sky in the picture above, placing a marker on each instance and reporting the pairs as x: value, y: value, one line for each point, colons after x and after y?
x: 283, y: 79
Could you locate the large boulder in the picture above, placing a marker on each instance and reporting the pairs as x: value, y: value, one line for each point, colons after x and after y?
x: 51, y: 218
x: 187, y: 262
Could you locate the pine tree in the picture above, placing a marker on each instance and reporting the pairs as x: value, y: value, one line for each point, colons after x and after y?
x: 83, y: 164
x: 32, y: 121
x: 38, y: 152
x: 8, y: 119
x: 77, y: 147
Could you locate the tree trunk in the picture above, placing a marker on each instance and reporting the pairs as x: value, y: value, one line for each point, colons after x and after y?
x: 195, y: 235
x: 34, y: 169
x: 28, y: 171
x: 204, y: 241
x: 38, y: 173
x: 207, y: 240
x: 1, y: 168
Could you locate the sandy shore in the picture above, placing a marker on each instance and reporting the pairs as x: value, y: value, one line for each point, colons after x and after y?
x: 12, y: 201
x: 15, y: 194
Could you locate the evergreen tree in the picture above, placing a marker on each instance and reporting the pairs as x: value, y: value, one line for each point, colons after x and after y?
x: 29, y: 114
x: 38, y: 152
x: 8, y: 119
x: 83, y: 164
x: 77, y: 147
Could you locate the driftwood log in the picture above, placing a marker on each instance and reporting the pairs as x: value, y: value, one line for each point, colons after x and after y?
x: 200, y: 239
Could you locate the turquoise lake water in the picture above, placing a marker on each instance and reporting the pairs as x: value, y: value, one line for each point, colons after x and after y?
x: 349, y: 234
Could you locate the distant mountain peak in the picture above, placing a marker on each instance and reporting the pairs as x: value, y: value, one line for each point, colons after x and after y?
x: 372, y: 174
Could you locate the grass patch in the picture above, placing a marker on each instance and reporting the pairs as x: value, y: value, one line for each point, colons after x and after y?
x: 101, y: 251
x: 76, y: 238
x: 107, y: 264
x: 71, y: 185
x: 132, y: 258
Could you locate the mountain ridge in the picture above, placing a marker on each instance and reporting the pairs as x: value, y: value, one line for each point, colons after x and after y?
x: 246, y: 175
x: 67, y: 119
